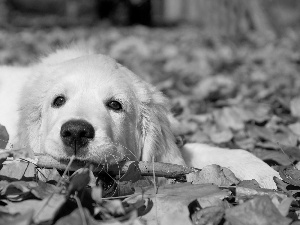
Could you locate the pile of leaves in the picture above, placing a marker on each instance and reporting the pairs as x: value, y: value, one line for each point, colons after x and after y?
x: 30, y: 194
x: 243, y: 94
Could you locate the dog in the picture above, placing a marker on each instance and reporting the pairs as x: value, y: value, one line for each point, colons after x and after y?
x: 76, y: 102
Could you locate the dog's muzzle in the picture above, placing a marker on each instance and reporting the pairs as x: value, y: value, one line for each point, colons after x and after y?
x: 77, y: 133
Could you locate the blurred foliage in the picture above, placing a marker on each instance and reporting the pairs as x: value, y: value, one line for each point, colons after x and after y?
x: 234, y: 94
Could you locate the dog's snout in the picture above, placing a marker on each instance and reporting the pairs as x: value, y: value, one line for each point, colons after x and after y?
x: 77, y: 133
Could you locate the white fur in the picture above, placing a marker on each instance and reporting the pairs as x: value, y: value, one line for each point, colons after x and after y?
x: 88, y: 80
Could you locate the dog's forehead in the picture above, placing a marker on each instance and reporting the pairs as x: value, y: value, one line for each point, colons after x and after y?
x: 91, y: 65
x: 95, y: 71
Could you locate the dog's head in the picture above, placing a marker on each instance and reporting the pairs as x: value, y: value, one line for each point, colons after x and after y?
x: 92, y: 107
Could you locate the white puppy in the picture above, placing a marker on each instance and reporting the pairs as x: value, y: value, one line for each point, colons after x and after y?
x: 75, y: 102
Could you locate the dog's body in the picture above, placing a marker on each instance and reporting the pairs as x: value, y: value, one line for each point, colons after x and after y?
x: 75, y: 102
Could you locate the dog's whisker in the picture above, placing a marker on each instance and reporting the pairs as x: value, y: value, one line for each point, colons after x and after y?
x: 117, y: 144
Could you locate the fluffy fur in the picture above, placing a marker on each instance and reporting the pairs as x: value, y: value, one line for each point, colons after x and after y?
x: 140, y: 131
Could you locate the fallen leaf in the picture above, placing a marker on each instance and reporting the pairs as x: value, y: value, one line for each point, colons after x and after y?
x: 278, y: 156
x: 44, y: 190
x: 171, y: 199
x: 48, y: 174
x: 97, y: 194
x: 251, y: 184
x: 295, y: 127
x: 218, y: 87
x: 284, y: 206
x: 215, y: 199
x: 18, y: 170
x: 79, y: 180
x: 227, y: 117
x: 258, y: 211
x: 16, y: 219
x: 244, y: 193
x: 4, y: 137
x: 291, y: 151
x: 78, y: 218
x: 209, y: 215
x: 45, y: 211
x: 219, y: 135
x: 213, y: 174
x: 176, y: 219
x: 200, y: 137
x: 133, y: 173
x: 290, y: 174
x: 295, y: 107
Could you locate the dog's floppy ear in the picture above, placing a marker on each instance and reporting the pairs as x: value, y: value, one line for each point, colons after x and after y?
x: 155, y: 136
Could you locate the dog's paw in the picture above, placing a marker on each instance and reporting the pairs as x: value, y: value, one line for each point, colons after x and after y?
x: 243, y: 164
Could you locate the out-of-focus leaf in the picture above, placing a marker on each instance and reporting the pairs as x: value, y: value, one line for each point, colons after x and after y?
x: 176, y: 219
x: 97, y: 194
x: 4, y: 137
x: 277, y: 156
x: 295, y: 127
x: 114, y: 207
x: 16, y: 219
x: 3, y: 157
x: 219, y: 135
x: 217, y: 87
x: 295, y: 107
x: 43, y: 190
x: 258, y: 211
x: 285, y: 136
x: 45, y: 211
x: 200, y: 137
x: 284, y: 206
x: 260, y: 132
x: 79, y: 180
x: 291, y: 151
x: 76, y: 218
x: 227, y: 117
x: 213, y: 200
x: 171, y: 198
x: 19, y: 191
x: 209, y: 215
x: 251, y: 184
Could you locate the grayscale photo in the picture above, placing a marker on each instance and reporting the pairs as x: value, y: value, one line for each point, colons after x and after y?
x: 150, y: 112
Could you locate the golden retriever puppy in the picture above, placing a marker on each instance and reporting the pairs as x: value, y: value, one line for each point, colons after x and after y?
x: 79, y: 103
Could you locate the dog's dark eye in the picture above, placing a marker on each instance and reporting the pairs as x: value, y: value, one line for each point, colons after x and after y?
x: 115, y: 105
x: 58, y: 101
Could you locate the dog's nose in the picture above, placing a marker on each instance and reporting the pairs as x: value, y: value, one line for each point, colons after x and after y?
x: 77, y: 133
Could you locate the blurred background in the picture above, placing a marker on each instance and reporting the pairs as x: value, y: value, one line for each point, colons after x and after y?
x: 228, y: 66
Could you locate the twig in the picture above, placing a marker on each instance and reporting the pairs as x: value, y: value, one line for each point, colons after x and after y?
x: 160, y: 169
x: 80, y: 208
x: 155, y: 190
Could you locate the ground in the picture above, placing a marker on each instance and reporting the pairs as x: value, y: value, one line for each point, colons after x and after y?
x: 236, y: 93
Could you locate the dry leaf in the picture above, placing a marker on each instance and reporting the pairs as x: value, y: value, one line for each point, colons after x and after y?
x: 171, y: 199
x: 213, y: 174
x: 290, y: 175
x: 295, y: 107
x: 210, y: 215
x: 4, y: 137
x: 258, y: 211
